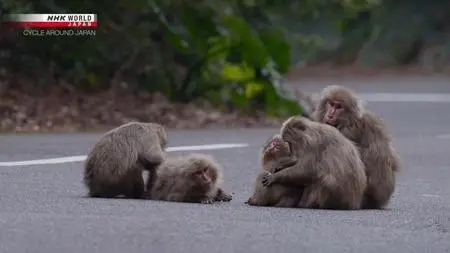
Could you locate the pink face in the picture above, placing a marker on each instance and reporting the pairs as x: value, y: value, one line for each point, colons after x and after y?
x: 273, y: 146
x: 333, y: 110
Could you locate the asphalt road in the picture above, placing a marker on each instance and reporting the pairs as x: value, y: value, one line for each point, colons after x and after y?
x: 43, y: 208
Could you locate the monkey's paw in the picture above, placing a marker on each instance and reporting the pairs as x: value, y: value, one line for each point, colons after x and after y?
x: 225, y: 198
x: 207, y: 201
x: 267, y: 180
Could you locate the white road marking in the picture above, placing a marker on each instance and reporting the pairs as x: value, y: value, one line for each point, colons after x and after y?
x: 443, y: 136
x: 207, y: 147
x: 431, y: 195
x: 81, y: 158
x: 406, y: 97
x: 67, y: 159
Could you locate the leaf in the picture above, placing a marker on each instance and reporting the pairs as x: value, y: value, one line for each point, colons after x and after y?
x: 277, y: 46
x: 237, y: 97
x: 237, y: 73
x: 218, y: 47
x: 200, y: 25
x: 246, y: 38
x: 253, y: 88
x: 177, y: 41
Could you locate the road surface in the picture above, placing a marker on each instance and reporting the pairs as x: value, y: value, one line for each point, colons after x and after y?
x: 43, y: 208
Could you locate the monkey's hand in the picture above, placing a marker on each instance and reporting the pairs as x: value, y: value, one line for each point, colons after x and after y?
x: 268, y: 179
x: 285, y: 162
x: 223, y: 196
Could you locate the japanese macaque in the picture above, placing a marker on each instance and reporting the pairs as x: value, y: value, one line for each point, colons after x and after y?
x: 196, y: 178
x: 342, y: 109
x: 275, y: 156
x: 115, y: 164
x: 330, y: 169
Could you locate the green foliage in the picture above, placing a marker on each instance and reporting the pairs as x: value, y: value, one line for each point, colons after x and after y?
x: 229, y: 52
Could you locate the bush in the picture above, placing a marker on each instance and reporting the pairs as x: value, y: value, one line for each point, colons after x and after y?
x: 234, y: 53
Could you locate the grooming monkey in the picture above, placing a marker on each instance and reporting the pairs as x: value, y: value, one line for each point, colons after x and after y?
x: 330, y: 169
x: 115, y: 164
x: 341, y: 108
x: 196, y: 178
x: 275, y: 156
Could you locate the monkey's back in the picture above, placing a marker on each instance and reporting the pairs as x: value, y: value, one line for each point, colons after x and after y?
x: 113, y: 156
x: 376, y: 141
x: 168, y: 176
x: 341, y: 167
x: 380, y: 159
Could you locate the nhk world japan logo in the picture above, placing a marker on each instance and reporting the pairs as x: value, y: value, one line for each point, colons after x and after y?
x: 54, y: 24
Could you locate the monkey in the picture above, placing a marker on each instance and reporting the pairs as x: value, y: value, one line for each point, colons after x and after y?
x: 195, y: 178
x: 275, y: 156
x: 115, y: 164
x: 341, y: 108
x: 330, y: 169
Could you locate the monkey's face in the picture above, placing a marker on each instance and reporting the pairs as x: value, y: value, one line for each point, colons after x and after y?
x: 272, y: 150
x: 202, y: 176
x: 276, y: 148
x: 273, y: 146
x: 338, y: 106
x: 334, y: 110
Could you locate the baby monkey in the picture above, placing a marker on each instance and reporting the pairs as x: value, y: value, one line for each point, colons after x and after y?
x: 276, y: 155
x: 196, y: 178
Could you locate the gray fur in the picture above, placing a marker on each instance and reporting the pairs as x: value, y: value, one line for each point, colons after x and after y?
x: 370, y: 134
x: 273, y: 160
x: 175, y: 181
x: 115, y: 164
x: 329, y: 166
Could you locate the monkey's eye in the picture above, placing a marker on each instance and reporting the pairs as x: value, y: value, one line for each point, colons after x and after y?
x: 338, y: 106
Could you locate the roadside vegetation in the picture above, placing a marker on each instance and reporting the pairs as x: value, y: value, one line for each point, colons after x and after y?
x: 191, y: 64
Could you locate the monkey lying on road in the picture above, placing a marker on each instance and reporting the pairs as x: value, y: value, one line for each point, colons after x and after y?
x: 196, y: 178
